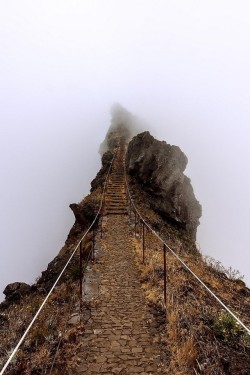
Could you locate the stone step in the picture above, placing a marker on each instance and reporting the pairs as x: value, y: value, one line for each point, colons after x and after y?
x: 116, y: 201
x: 115, y: 191
x: 116, y: 212
x: 116, y: 184
x: 115, y: 206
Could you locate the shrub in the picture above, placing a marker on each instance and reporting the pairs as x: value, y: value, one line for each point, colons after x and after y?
x: 227, y: 327
x: 231, y: 273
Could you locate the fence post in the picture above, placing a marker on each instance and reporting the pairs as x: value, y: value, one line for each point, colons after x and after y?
x: 143, y: 242
x: 140, y: 228
x: 165, y: 273
x: 101, y: 219
x: 81, y: 275
x: 93, y: 244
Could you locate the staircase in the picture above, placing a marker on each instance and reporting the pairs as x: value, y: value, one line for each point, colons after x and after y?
x: 119, y: 329
x: 116, y: 198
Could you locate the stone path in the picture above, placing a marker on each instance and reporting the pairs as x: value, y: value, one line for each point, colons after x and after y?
x: 118, y: 337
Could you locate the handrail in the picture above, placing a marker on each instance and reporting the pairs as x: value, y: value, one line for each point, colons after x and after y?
x: 182, y: 262
x: 60, y: 275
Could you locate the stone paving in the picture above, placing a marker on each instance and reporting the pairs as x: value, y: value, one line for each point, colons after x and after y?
x: 119, y: 338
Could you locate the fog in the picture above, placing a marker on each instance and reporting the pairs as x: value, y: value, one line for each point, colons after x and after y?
x: 182, y: 66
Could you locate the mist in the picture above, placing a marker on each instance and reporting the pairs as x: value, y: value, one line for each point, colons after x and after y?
x: 183, y: 67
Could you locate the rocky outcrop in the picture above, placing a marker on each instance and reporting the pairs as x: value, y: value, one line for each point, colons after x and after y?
x: 14, y: 291
x: 53, y: 270
x: 84, y: 212
x: 101, y: 175
x: 159, y: 167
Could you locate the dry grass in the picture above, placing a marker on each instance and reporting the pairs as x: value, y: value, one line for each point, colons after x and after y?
x: 187, y: 353
x: 51, y: 339
x: 39, y: 347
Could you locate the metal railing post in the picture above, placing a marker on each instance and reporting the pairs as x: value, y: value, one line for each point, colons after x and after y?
x: 143, y: 242
x: 101, y: 224
x: 93, y: 244
x: 165, y: 272
x: 135, y: 222
x: 81, y: 275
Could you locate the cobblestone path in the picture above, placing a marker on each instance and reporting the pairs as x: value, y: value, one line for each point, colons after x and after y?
x: 118, y: 338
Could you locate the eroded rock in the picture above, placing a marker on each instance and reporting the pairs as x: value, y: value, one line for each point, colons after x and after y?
x: 14, y: 291
x: 85, y: 211
x: 159, y: 167
x: 101, y: 175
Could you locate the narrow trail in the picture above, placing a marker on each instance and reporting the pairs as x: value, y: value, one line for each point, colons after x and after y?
x: 119, y: 336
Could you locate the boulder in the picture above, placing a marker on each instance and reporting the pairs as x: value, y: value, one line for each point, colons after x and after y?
x: 14, y: 291
x: 85, y: 211
x: 79, y: 214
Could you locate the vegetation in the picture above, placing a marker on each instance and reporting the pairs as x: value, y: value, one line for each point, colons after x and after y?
x: 51, y: 345
x: 228, y: 328
x: 230, y: 272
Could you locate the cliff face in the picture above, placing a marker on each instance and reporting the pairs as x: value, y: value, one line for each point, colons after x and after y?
x: 158, y: 167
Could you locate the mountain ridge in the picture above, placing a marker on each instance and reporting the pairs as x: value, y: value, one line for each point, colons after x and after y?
x: 184, y: 325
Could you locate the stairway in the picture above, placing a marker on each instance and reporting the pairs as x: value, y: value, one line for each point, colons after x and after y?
x: 116, y: 198
x: 120, y: 335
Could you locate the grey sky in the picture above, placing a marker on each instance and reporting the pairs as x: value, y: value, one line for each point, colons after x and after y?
x: 183, y: 66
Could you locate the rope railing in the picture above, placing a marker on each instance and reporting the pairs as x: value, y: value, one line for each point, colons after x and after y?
x: 137, y: 215
x: 79, y: 244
